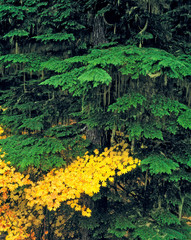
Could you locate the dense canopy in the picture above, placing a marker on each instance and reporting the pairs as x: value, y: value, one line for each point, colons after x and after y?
x: 95, y: 119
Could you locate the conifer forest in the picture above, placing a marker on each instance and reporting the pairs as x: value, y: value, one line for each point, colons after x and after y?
x: 95, y: 119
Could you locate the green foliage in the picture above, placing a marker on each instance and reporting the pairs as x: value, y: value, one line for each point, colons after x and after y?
x: 35, y: 123
x: 185, y: 119
x: 14, y: 58
x: 68, y: 81
x: 55, y: 37
x: 54, y: 64
x: 179, y: 175
x: 44, y: 151
x: 16, y: 33
x: 29, y: 62
x: 159, y: 164
x: 152, y: 131
x: 126, y: 102
x: 162, y: 106
x: 146, y: 232
x: 97, y: 76
x: 164, y: 217
x: 119, y: 228
x: 16, y: 12
x: 135, y: 130
x: 150, y: 60
x: 132, y: 60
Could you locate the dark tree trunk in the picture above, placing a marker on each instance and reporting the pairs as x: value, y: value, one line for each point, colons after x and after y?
x: 85, y: 234
x: 98, y: 31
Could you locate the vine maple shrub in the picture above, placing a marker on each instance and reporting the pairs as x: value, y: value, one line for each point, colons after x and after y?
x: 22, y: 200
x: 12, y: 216
x: 84, y: 175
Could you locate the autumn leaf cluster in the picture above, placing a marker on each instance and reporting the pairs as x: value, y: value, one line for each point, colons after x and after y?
x: 22, y: 201
x: 13, y: 216
x: 85, y: 175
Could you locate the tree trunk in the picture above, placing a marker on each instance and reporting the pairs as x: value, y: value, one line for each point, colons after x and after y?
x: 84, y: 234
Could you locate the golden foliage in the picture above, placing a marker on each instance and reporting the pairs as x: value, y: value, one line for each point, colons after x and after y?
x: 22, y: 202
x: 13, y: 216
x: 84, y: 176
